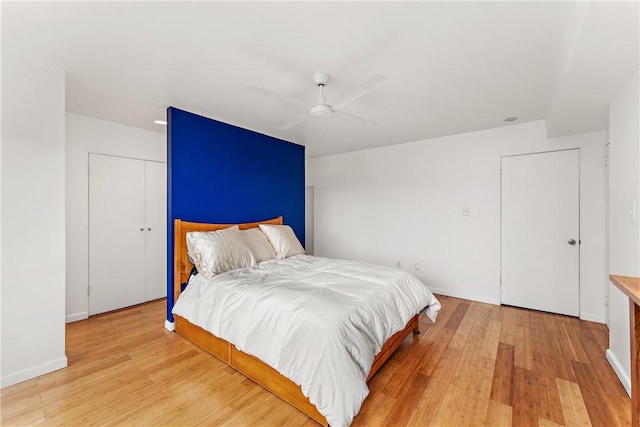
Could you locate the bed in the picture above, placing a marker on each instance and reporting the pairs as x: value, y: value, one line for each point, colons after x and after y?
x: 253, y: 367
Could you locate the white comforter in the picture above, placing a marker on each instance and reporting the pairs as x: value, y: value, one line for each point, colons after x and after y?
x: 317, y: 321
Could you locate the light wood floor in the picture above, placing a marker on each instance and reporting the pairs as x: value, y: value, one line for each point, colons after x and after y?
x: 478, y: 365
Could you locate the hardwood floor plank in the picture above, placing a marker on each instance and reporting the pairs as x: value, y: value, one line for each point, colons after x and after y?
x: 482, y: 380
x: 499, y: 414
x: 572, y: 343
x: 428, y: 405
x: 560, y: 357
x: 459, y: 339
x: 543, y: 422
x: 375, y: 409
x: 525, y: 410
x: 479, y: 364
x: 79, y: 376
x: 457, y: 316
x: 600, y: 333
x: 546, y: 390
x: 401, y: 412
x: 611, y: 387
x: 25, y: 387
x: 447, y: 366
x: 594, y: 398
x: 502, y: 386
x: 65, y: 410
x: 449, y: 307
x: 573, y: 405
x: 449, y: 410
x: 522, y: 353
x: 435, y: 352
x: 491, y: 339
x: 508, y: 327
x: 20, y: 408
x: 478, y: 411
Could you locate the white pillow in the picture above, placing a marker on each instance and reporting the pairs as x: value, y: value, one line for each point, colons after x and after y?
x: 214, y: 252
x: 258, y: 244
x: 283, y: 240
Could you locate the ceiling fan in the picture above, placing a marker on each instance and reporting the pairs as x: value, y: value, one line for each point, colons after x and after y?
x: 321, y: 108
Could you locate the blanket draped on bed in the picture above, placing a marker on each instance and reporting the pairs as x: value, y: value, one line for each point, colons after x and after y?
x: 318, y: 321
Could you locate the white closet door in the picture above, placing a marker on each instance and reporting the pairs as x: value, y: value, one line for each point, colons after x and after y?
x: 116, y: 232
x: 156, y: 231
x: 540, y: 231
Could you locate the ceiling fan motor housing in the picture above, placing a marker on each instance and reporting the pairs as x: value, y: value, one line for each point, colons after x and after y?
x: 321, y: 110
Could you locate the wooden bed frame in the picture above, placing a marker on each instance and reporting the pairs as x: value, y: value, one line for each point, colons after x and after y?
x: 248, y: 365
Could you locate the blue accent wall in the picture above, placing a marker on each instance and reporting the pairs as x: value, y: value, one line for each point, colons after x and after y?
x: 221, y: 173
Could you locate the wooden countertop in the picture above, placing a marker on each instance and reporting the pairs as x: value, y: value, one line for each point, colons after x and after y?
x: 629, y: 285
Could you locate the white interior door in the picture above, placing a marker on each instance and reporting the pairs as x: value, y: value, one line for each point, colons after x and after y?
x: 116, y: 232
x: 156, y: 230
x: 540, y: 231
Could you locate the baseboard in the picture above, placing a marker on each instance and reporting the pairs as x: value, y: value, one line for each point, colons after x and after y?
x: 592, y: 318
x: 169, y: 325
x: 76, y: 316
x: 32, y: 372
x: 617, y: 368
x: 463, y: 295
x: 494, y: 301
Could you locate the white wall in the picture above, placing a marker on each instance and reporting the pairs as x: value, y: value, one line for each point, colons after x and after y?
x: 33, y: 225
x: 88, y: 135
x: 624, y: 234
x: 404, y: 203
x: 308, y: 219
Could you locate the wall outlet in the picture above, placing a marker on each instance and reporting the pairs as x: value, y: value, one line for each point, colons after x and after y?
x: 466, y: 211
x: 417, y: 266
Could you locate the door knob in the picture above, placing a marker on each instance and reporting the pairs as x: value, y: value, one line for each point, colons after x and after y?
x: 571, y: 242
x: 142, y: 229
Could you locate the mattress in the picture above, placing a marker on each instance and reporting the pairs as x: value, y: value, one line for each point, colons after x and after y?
x: 318, y: 321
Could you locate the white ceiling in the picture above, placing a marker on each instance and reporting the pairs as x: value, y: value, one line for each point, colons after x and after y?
x: 452, y: 67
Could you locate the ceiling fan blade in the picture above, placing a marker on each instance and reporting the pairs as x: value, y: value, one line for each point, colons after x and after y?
x: 354, y: 118
x: 277, y: 96
x: 362, y: 90
x: 295, y: 121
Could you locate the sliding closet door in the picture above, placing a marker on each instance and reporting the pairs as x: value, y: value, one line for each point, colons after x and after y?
x: 116, y: 232
x: 156, y: 230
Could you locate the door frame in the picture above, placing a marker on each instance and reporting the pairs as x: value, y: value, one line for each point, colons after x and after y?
x: 579, y: 214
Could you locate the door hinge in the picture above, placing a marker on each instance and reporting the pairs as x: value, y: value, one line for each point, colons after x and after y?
x: 88, y: 290
x: 606, y: 161
x: 89, y: 170
x: 606, y: 300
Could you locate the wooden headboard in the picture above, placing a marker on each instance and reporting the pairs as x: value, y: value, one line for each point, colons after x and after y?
x: 181, y: 264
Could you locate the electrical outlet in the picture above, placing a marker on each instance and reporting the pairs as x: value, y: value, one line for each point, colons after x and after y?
x: 417, y: 266
x: 466, y: 211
